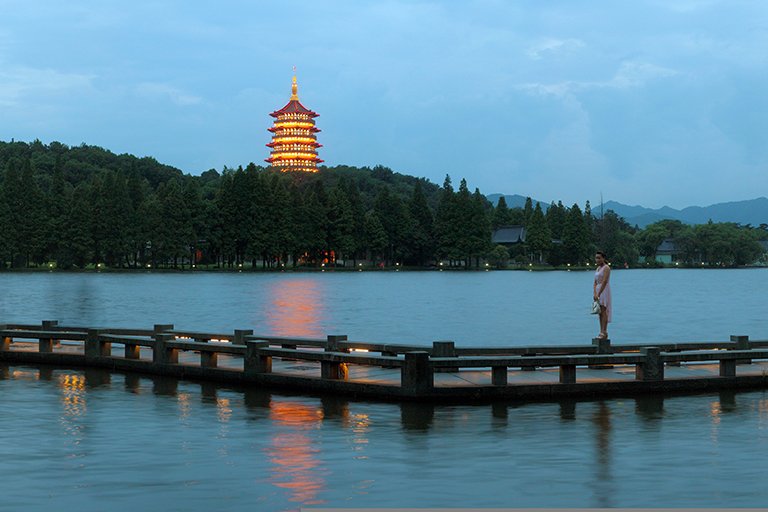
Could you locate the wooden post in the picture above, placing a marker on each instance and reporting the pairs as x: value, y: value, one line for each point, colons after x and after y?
x: 742, y: 343
x: 567, y: 374
x: 254, y: 362
x: 499, y: 375
x: 5, y: 343
x: 444, y: 349
x: 240, y: 335
x: 728, y: 367
x: 161, y: 354
x: 159, y: 328
x: 334, y: 369
x: 48, y: 325
x: 652, y: 369
x: 416, y: 375
x: 94, y: 347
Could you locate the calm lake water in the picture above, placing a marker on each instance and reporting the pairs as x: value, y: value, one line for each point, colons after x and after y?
x: 91, y: 440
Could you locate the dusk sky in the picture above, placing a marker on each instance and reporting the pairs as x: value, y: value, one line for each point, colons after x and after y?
x: 652, y: 102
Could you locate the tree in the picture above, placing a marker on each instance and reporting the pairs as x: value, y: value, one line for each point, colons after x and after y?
x: 538, y: 237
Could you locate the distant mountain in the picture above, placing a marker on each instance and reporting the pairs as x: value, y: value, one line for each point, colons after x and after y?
x: 752, y: 211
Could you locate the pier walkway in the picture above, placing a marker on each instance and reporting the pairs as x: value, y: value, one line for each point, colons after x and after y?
x: 440, y: 372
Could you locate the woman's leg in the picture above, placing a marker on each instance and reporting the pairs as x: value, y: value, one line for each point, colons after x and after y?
x: 604, y: 321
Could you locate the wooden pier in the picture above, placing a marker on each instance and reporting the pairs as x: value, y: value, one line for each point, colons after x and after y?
x: 440, y: 372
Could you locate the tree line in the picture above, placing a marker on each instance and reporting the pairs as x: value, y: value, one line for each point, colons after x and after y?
x: 80, y: 206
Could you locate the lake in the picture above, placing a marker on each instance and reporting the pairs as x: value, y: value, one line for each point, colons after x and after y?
x: 91, y: 440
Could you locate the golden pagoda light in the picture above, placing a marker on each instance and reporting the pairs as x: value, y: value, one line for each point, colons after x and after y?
x: 294, y: 143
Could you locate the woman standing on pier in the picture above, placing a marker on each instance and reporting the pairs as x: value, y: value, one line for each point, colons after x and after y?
x: 601, y: 290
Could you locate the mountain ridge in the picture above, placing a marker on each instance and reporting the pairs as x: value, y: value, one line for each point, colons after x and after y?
x: 749, y: 211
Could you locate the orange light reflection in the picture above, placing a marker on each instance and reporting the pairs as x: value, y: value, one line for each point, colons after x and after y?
x: 296, y: 308
x: 296, y: 467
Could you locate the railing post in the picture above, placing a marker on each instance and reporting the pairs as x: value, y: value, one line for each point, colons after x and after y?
x: 742, y: 343
x: 240, y: 335
x: 728, y: 367
x: 161, y: 354
x: 444, y: 349
x: 50, y: 324
x: 499, y: 375
x: 93, y: 345
x: 567, y: 374
x: 159, y: 328
x: 652, y: 369
x: 254, y: 362
x: 332, y: 345
x: 416, y: 375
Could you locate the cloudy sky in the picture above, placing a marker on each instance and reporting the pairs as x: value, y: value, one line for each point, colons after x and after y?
x: 652, y: 102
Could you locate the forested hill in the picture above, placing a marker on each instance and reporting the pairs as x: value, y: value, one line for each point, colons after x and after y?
x: 76, y: 206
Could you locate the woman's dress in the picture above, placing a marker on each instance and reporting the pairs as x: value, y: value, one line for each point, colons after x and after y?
x: 605, y: 297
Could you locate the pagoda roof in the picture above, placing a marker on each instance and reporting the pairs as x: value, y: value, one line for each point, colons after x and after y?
x: 294, y: 107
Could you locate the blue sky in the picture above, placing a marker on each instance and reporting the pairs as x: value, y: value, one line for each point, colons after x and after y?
x: 653, y: 102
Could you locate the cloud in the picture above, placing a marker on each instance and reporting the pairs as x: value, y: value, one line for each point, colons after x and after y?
x: 154, y: 90
x: 631, y: 74
x: 549, y: 47
x: 19, y: 83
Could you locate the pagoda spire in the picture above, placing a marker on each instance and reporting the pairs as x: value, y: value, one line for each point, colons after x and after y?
x: 294, y: 88
x: 294, y: 140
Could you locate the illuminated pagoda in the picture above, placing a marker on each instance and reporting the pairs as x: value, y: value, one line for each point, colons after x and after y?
x: 294, y: 143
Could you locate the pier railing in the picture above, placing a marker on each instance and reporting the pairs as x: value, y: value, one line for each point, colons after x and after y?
x: 249, y: 357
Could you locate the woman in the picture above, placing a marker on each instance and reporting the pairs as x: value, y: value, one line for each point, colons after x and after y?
x: 601, y: 291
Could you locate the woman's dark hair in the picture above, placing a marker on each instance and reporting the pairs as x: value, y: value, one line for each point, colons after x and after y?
x: 601, y: 253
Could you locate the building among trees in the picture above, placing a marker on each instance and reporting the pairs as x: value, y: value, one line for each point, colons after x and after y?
x: 294, y: 141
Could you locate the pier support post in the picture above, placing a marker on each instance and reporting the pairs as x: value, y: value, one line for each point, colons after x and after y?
x: 209, y: 359
x: 742, y: 343
x: 728, y: 367
x: 255, y: 362
x: 333, y: 369
x: 5, y: 342
x: 602, y: 346
x: 568, y: 374
x: 45, y: 345
x: 499, y: 376
x: 652, y: 369
x: 240, y: 335
x: 94, y: 347
x: 416, y: 375
x: 161, y: 353
x: 132, y: 352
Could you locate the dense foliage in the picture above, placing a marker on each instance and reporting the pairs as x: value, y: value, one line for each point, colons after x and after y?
x: 74, y: 207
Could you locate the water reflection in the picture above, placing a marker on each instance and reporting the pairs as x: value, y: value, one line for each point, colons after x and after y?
x: 294, y: 455
x: 603, y: 481
x: 74, y: 405
x: 296, y: 308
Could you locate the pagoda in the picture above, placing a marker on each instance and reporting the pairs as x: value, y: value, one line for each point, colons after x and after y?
x: 294, y: 143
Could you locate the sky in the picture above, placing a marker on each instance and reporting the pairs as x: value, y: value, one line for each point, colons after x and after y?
x: 651, y: 102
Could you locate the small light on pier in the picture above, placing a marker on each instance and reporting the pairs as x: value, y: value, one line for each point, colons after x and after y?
x: 359, y: 350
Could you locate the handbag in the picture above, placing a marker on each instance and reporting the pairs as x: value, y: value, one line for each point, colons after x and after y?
x: 595, y: 307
